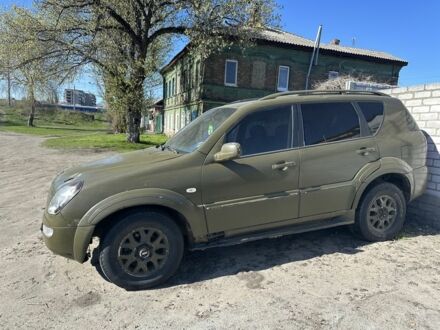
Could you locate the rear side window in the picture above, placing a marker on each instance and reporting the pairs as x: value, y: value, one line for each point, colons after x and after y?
x: 264, y: 131
x: 373, y: 113
x: 329, y: 122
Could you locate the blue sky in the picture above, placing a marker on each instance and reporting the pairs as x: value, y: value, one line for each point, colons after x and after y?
x: 401, y: 28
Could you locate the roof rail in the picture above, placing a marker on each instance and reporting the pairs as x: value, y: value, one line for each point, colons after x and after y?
x: 321, y: 92
x: 244, y: 100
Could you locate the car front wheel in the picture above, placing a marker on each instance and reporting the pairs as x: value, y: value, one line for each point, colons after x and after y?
x: 142, y: 250
x: 381, y: 213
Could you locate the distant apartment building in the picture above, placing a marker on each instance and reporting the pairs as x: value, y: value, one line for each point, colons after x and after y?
x: 73, y: 96
x: 90, y: 99
x: 77, y: 96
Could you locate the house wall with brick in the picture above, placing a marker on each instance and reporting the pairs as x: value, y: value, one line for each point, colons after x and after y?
x: 181, y: 93
x: 423, y: 101
x: 258, y: 71
x: 193, y: 85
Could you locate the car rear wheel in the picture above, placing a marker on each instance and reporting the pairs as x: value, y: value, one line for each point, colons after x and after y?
x: 142, y: 250
x: 381, y: 213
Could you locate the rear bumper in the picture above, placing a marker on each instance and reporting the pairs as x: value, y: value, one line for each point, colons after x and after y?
x: 420, y: 176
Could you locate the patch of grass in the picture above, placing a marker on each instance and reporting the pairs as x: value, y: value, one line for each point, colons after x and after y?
x: 47, y: 130
x: 52, y: 118
x: 115, y: 142
x: 72, y: 130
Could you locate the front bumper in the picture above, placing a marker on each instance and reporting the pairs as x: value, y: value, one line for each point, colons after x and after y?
x: 70, y: 242
x: 61, y: 241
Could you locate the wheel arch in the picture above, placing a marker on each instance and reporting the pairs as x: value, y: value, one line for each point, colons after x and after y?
x: 403, y: 181
x: 106, y: 223
x: 188, y: 216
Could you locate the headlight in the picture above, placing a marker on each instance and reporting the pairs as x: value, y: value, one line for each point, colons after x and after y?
x: 63, y: 196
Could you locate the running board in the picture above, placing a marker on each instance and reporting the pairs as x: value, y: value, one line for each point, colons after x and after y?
x: 273, y: 233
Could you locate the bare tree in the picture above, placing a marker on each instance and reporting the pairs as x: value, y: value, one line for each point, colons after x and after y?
x: 124, y: 39
x: 51, y: 91
x: 9, y: 84
x: 6, y: 75
x: 30, y: 62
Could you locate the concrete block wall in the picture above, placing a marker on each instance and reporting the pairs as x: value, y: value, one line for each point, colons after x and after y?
x: 423, y: 101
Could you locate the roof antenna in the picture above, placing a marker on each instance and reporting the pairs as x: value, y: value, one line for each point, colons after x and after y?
x: 353, y: 42
x: 314, y: 56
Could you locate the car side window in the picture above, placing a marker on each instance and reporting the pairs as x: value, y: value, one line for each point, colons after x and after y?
x: 263, y: 131
x: 329, y: 122
x: 373, y: 113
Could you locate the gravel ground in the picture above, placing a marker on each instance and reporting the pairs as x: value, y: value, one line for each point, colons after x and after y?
x: 320, y: 280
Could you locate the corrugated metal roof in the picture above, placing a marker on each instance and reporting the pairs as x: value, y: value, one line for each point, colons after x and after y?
x: 283, y: 37
x: 287, y: 38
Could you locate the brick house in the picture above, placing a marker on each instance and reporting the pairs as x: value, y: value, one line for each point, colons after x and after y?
x: 152, y: 122
x: 278, y: 61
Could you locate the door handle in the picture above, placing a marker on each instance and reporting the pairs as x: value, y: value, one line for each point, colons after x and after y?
x: 366, y: 151
x: 283, y: 166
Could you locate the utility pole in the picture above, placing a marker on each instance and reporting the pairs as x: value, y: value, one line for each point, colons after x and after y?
x: 314, y: 59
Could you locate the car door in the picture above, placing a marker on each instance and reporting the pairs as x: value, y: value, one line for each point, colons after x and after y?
x: 336, y: 145
x: 260, y: 187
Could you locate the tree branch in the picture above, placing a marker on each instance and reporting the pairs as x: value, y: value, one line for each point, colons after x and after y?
x: 167, y: 30
x: 127, y: 27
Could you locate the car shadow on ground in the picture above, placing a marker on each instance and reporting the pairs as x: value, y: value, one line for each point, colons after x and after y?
x: 259, y: 255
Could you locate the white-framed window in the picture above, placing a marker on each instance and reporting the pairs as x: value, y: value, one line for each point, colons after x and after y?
x: 197, y: 74
x: 178, y: 84
x: 333, y: 75
x: 173, y: 87
x: 173, y: 121
x: 177, y: 125
x: 283, y: 78
x: 167, y: 122
x: 170, y: 119
x: 231, y: 70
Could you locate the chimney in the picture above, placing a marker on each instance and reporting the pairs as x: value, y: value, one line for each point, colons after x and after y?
x: 335, y: 42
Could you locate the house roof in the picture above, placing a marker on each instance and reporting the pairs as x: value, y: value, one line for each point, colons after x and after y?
x: 283, y: 37
x: 279, y: 37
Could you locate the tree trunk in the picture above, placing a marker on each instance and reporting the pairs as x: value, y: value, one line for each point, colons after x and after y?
x: 8, y: 77
x: 135, y: 102
x: 133, y: 125
x: 32, y: 113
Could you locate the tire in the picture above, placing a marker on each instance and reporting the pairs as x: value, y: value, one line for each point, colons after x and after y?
x: 94, y: 261
x: 142, y: 250
x: 381, y: 213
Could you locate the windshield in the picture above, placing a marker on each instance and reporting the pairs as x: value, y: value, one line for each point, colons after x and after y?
x: 194, y: 134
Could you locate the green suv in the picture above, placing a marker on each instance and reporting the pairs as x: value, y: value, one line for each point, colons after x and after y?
x: 287, y: 163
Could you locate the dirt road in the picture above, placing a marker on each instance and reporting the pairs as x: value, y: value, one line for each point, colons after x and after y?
x: 319, y: 280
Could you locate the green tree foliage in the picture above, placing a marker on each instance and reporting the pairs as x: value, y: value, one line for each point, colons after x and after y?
x: 128, y: 40
x: 35, y: 66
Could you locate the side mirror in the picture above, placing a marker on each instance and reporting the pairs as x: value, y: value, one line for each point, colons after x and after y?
x: 228, y: 151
